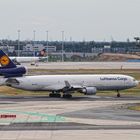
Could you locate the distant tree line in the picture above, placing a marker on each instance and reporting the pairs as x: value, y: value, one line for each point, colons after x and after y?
x: 86, y: 47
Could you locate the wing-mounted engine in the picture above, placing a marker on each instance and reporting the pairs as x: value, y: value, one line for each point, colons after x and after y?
x: 85, y: 90
x: 13, y: 72
x: 89, y: 90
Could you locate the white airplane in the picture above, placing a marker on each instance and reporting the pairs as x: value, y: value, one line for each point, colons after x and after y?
x: 27, y: 59
x: 67, y: 84
x: 21, y: 59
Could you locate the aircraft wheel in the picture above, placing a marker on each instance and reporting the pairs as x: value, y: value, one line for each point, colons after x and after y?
x: 118, y: 95
x: 67, y: 96
x: 58, y: 95
x: 64, y: 96
x: 52, y: 95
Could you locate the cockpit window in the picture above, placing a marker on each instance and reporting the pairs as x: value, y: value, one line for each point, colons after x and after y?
x: 134, y: 80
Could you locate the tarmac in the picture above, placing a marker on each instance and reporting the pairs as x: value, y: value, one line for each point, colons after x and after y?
x: 85, y: 117
x: 79, y: 118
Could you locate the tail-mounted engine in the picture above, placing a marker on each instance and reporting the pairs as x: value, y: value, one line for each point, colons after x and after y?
x: 13, y: 72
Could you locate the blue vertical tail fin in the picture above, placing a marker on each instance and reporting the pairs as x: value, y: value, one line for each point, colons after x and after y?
x: 5, y: 61
x: 8, y: 68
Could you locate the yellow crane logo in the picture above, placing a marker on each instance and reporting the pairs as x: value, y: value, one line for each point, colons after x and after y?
x: 4, y: 60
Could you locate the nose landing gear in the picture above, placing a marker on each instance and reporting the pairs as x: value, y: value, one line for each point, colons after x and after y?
x: 118, y: 94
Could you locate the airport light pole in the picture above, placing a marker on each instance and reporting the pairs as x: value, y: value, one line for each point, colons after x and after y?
x: 18, y: 42
x: 34, y: 32
x: 62, y: 46
x: 47, y: 40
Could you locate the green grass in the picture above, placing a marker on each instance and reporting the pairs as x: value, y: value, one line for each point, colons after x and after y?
x: 136, y: 108
x: 130, y: 92
x: 87, y: 71
x: 4, y: 90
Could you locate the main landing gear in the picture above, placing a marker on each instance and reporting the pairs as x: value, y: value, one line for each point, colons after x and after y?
x: 118, y: 94
x: 55, y: 94
x: 67, y: 96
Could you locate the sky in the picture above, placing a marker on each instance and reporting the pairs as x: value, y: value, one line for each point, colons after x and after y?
x: 79, y: 19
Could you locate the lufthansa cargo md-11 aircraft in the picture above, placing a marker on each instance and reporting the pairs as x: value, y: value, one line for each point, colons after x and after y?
x: 67, y: 84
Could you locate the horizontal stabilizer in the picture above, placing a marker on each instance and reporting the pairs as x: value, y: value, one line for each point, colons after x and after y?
x: 12, y: 81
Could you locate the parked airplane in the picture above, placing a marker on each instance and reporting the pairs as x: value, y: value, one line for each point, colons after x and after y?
x: 67, y: 84
x: 42, y: 57
x: 19, y: 60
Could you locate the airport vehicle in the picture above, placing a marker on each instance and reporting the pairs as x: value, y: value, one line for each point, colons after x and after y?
x: 67, y: 84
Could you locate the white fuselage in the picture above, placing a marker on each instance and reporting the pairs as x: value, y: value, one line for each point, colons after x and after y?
x: 57, y: 82
x: 27, y: 59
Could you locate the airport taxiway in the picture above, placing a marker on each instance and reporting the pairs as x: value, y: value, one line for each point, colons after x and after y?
x: 81, y: 118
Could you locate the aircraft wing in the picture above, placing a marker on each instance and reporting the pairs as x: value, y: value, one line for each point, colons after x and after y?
x: 71, y: 88
x: 68, y: 85
x: 65, y: 87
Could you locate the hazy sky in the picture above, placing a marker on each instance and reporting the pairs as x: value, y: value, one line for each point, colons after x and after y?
x: 80, y: 19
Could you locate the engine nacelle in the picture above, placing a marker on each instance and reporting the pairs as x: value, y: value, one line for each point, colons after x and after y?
x: 89, y: 90
x: 13, y: 72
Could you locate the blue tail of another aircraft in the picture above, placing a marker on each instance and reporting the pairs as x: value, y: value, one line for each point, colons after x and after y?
x: 5, y: 61
x: 8, y: 68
